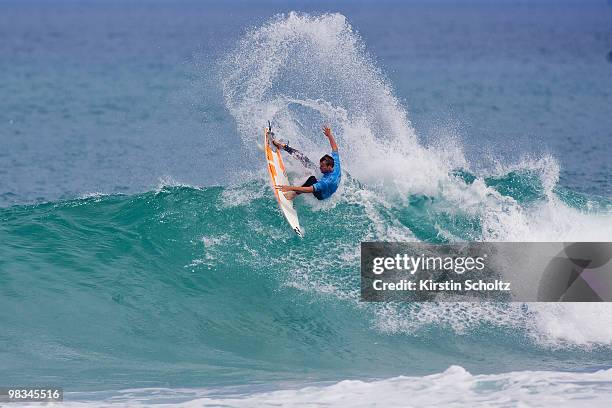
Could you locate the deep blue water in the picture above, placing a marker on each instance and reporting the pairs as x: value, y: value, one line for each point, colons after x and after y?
x: 105, y: 96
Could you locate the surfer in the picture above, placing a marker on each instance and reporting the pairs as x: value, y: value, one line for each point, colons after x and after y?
x: 329, y: 166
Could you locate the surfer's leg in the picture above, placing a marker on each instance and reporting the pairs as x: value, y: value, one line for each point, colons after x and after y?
x: 295, y: 153
x: 301, y: 157
x: 311, y: 180
x: 290, y: 195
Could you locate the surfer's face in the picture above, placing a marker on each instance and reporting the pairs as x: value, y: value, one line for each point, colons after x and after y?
x: 324, y: 167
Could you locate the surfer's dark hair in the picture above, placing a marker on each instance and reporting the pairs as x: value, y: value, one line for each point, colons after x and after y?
x: 328, y: 160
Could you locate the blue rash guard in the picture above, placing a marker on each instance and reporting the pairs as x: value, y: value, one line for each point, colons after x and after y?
x: 328, y: 184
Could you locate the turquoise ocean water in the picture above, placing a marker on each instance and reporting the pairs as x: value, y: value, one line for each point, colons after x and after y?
x: 143, y: 257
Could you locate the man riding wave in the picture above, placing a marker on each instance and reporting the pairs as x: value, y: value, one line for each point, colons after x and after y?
x: 329, y: 166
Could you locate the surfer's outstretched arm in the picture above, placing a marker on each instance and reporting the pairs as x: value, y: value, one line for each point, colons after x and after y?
x: 291, y: 192
x: 297, y: 189
x: 330, y: 137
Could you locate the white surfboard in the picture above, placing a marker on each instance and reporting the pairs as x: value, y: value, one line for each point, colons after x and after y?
x: 278, y: 176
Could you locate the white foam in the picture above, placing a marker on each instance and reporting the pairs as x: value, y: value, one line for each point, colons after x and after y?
x: 214, y: 249
x: 576, y: 324
x: 169, y: 181
x: 460, y: 317
x: 251, y: 187
x: 300, y: 70
x: 454, y: 387
x: 95, y: 195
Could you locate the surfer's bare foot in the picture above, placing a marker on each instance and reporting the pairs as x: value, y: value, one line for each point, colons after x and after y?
x: 290, y: 195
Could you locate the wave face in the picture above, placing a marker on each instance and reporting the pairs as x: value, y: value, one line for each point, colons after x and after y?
x: 186, y: 286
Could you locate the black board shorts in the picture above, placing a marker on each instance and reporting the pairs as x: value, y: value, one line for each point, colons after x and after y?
x: 312, y: 180
x: 309, y: 165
